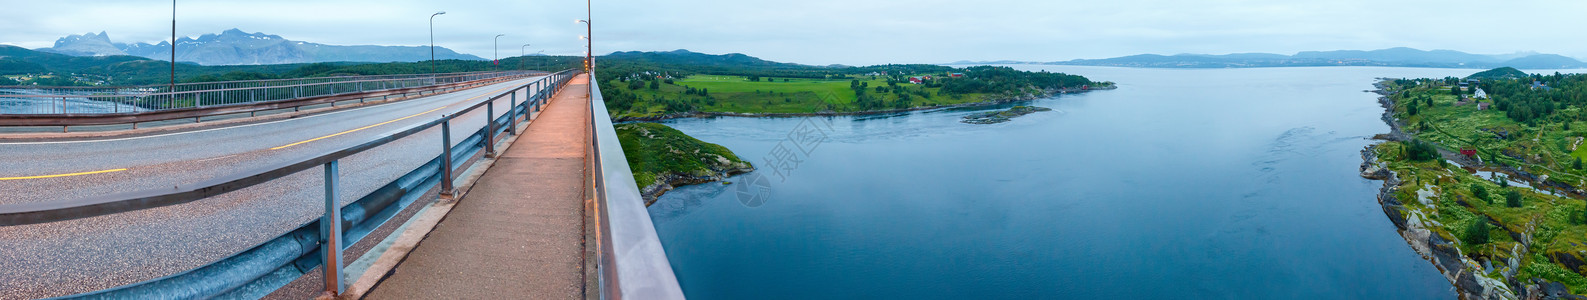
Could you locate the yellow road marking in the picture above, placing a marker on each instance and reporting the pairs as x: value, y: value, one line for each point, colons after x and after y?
x: 63, y: 175
x: 386, y: 122
x: 355, y: 130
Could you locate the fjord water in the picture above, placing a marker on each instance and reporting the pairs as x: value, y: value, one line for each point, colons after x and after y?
x: 1183, y: 183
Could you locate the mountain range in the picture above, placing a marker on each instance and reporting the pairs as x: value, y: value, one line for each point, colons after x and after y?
x: 1392, y: 57
x: 235, y: 47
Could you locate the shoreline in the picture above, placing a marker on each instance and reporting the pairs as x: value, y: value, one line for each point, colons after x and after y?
x: 1462, y: 272
x: 697, y: 114
x: 667, y: 182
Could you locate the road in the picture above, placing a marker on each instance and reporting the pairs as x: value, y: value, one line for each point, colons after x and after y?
x: 74, y: 256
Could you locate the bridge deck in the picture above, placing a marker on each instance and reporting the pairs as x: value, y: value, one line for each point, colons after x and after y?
x: 519, y: 232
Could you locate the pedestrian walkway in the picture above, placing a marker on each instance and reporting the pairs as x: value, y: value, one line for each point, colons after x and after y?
x: 518, y: 233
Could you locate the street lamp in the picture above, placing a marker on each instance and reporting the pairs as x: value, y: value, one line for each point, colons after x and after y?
x: 173, y: 46
x: 496, y: 48
x: 523, y: 52
x: 432, y: 40
x: 589, y: 58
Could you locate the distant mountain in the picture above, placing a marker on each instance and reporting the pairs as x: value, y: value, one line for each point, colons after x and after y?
x: 87, y: 44
x: 235, y: 47
x: 686, y: 57
x: 1392, y: 57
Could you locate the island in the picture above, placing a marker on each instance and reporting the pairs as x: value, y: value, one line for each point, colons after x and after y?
x: 1482, y: 176
x: 994, y: 117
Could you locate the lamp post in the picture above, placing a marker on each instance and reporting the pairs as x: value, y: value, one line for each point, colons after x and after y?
x: 496, y: 50
x: 173, y: 46
x: 523, y: 52
x: 432, y: 40
x: 589, y: 52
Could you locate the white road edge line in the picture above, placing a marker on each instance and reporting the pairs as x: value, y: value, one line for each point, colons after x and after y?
x: 187, y: 132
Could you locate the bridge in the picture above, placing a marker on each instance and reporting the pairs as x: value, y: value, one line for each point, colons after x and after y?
x: 467, y: 185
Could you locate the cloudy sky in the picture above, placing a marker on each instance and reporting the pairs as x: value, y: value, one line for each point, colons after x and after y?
x: 852, y: 32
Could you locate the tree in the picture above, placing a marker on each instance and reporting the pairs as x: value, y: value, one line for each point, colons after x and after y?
x: 1422, y: 151
x: 754, y: 78
x: 1481, y: 192
x: 1454, y: 90
x: 655, y: 84
x: 1512, y: 198
x: 1477, y: 232
x: 1577, y: 164
x: 635, y: 84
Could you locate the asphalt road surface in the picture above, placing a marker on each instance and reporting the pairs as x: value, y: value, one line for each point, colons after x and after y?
x: 75, y: 256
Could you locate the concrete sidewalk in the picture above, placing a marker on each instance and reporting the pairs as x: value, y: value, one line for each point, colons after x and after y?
x: 518, y: 233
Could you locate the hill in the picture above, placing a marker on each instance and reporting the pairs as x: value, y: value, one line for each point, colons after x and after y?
x: 1392, y: 57
x: 235, y: 47
x: 1499, y: 73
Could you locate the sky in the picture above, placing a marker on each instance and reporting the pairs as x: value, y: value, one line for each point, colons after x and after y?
x: 852, y: 32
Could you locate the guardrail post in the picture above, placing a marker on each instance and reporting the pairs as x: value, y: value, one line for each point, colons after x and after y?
x: 446, y: 157
x: 331, y: 230
x: 490, y: 128
x: 512, y: 114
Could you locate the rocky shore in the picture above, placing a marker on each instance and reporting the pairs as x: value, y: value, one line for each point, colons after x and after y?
x: 667, y: 182
x: 1468, y: 276
x: 994, y: 117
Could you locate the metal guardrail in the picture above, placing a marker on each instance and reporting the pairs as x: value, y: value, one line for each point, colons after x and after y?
x: 630, y: 260
x: 134, y: 99
x: 262, y: 269
x: 359, y: 93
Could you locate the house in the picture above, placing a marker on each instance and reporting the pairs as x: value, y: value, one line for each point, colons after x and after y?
x: 1479, y: 94
x: 955, y: 75
x: 1482, y: 106
x: 916, y: 80
x: 927, y: 77
x: 1540, y: 85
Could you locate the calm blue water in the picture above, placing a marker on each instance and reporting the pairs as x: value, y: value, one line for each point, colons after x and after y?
x: 1219, y: 183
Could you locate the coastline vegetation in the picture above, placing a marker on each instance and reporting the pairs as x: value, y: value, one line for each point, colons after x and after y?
x: 652, y: 85
x: 661, y: 157
x: 1527, y: 127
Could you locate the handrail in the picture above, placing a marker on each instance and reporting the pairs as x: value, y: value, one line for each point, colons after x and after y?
x: 631, y: 261
x: 157, y: 86
x: 68, y: 120
x: 117, y: 100
x: 263, y: 268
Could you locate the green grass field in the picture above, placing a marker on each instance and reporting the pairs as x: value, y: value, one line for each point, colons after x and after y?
x: 737, y: 94
x: 1556, y: 223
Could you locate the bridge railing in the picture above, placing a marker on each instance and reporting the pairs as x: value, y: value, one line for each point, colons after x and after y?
x: 264, y: 268
x: 630, y: 259
x: 19, y: 100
